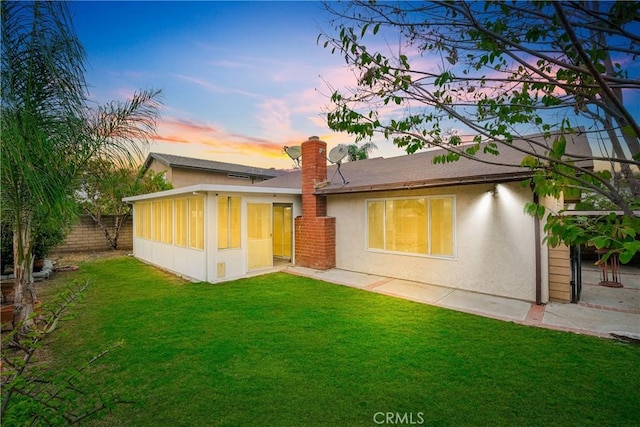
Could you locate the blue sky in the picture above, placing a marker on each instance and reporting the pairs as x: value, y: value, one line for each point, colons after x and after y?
x: 240, y: 79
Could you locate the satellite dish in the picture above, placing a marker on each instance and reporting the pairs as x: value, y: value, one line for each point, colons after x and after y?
x: 294, y: 153
x: 336, y: 155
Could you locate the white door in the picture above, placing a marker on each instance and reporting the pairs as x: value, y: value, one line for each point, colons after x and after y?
x: 260, y: 244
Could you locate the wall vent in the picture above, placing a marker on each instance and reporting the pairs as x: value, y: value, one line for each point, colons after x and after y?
x: 222, y: 270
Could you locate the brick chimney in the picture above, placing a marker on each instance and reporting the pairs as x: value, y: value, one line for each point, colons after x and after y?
x: 315, y: 241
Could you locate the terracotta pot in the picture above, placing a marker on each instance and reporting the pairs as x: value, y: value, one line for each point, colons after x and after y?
x: 6, y: 314
x: 6, y: 287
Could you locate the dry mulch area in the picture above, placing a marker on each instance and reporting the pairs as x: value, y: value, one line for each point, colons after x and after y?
x: 64, y: 259
x: 68, y: 261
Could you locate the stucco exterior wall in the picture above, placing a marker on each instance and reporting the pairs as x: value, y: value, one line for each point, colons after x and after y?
x: 158, y: 167
x: 494, y: 249
x: 185, y: 177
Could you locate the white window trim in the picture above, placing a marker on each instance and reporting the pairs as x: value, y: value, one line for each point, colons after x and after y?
x: 228, y: 213
x: 175, y: 222
x: 151, y: 206
x: 204, y: 223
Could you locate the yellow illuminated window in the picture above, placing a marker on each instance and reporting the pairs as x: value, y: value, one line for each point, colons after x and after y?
x: 442, y: 226
x: 234, y: 220
x: 181, y: 215
x: 406, y: 226
x: 146, y: 221
x: 143, y: 220
x: 259, y: 218
x: 376, y: 224
x: 228, y: 222
x: 196, y: 222
x: 138, y: 214
x: 167, y: 221
x: 156, y: 222
x: 418, y: 225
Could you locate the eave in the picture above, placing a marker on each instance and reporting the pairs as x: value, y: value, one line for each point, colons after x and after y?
x: 434, y: 183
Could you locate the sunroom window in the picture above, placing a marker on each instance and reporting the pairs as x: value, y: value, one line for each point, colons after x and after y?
x: 228, y: 222
x: 181, y: 215
x: 196, y: 222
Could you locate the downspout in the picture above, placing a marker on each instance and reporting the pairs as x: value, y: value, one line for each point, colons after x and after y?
x: 536, y: 231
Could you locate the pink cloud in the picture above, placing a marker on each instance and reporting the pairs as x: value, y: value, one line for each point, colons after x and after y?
x: 206, y: 140
x: 190, y: 126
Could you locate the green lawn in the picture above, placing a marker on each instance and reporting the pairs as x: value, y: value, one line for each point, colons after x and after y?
x: 281, y: 350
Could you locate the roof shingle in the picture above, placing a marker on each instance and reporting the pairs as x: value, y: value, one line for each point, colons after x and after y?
x: 419, y: 171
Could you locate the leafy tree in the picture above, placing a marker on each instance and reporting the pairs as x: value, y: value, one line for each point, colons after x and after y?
x: 50, y: 232
x: 105, y: 184
x: 360, y: 151
x: 48, y: 131
x: 500, y: 72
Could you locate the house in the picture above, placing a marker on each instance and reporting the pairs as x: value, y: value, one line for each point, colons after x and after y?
x: 184, y: 171
x: 458, y: 224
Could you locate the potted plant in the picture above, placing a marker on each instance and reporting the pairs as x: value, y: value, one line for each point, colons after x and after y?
x: 6, y: 313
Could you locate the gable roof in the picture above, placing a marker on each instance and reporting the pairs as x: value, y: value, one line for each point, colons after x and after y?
x: 418, y: 170
x: 174, y: 161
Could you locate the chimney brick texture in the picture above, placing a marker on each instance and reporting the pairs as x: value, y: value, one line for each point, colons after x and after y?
x: 314, y: 171
x: 315, y: 240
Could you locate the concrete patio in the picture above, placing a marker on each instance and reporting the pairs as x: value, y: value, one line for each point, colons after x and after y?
x: 601, y: 310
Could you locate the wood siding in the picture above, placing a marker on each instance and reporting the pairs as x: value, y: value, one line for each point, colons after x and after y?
x: 183, y: 177
x: 559, y: 274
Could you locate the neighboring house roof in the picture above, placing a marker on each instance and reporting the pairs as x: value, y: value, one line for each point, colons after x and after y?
x: 174, y: 161
x: 418, y: 170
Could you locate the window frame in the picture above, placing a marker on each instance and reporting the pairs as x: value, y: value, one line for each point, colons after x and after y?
x: 144, y: 222
x: 166, y: 232
x: 171, y: 221
x: 195, y: 240
x: 429, y: 225
x: 181, y: 222
x: 231, y: 240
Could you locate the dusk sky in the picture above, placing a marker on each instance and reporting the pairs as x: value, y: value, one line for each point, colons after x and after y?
x: 240, y: 79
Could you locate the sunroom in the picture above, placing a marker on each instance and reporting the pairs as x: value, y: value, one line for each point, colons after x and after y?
x: 214, y: 233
